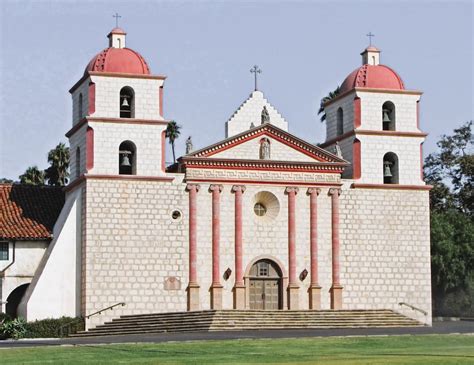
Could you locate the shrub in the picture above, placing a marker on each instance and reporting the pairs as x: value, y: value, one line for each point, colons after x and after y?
x: 51, y: 327
x: 15, y: 328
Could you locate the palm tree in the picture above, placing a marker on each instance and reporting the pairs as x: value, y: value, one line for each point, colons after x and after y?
x: 32, y: 176
x: 172, y: 133
x: 57, y: 173
x: 329, y: 97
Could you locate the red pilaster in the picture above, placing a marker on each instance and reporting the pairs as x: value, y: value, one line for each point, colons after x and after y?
x: 216, y: 222
x: 160, y: 96
x: 293, y: 283
x: 336, y: 289
x: 89, y: 149
x: 239, y: 288
x: 91, y: 108
x: 193, y: 286
x: 314, y: 288
x: 357, y: 113
x: 163, y: 151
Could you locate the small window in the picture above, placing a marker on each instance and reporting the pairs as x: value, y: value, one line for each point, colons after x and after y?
x: 388, y: 116
x: 340, y: 122
x: 80, y: 110
x: 4, y: 251
x: 390, y: 168
x: 176, y: 215
x: 127, y: 102
x: 263, y: 269
x: 260, y: 209
x: 127, y: 158
x: 78, y: 162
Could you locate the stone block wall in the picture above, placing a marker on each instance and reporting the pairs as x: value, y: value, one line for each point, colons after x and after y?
x: 347, y: 105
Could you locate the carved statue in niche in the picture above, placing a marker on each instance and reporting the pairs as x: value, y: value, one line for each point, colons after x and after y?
x: 265, y: 115
x: 189, y: 145
x: 337, y: 150
x: 265, y: 149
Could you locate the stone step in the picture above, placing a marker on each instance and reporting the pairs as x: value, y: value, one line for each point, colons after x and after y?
x: 224, y: 320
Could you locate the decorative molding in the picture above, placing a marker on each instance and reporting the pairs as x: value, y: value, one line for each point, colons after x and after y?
x: 195, y: 187
x: 391, y: 186
x: 84, y: 177
x: 366, y: 132
x: 258, y: 182
x: 276, y: 133
x: 85, y: 120
x: 262, y: 165
x: 281, y: 177
x: 236, y: 188
x: 214, y: 187
x: 313, y: 190
x: 334, y: 191
x: 372, y: 90
x: 292, y: 189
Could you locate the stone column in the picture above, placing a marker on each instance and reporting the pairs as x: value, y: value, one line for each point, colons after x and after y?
x: 314, y: 288
x: 216, y: 287
x: 336, y: 288
x: 193, y: 286
x: 293, y: 287
x: 239, y: 287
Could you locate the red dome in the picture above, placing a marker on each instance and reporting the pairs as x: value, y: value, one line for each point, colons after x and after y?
x: 376, y: 77
x: 123, y: 60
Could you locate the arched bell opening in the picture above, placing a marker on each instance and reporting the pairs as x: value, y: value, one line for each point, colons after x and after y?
x: 80, y: 108
x: 390, y: 168
x: 78, y: 162
x: 388, y: 116
x: 265, y: 285
x: 127, y: 158
x: 127, y: 102
x: 14, y: 299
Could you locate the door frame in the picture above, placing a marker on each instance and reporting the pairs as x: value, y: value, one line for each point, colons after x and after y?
x: 283, y: 280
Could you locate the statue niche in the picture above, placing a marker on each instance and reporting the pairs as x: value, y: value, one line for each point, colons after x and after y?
x: 264, y: 149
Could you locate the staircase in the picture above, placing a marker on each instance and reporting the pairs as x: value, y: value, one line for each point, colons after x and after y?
x: 238, y: 320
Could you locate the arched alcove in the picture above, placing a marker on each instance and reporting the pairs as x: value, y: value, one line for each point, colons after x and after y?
x: 127, y: 102
x: 340, y: 122
x: 388, y: 116
x: 390, y: 168
x: 127, y: 158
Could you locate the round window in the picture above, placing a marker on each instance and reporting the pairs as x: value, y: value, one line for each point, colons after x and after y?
x: 260, y: 209
x: 176, y: 214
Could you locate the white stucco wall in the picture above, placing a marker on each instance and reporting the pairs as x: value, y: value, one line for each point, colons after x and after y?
x: 54, y: 291
x: 107, y: 96
x: 250, y: 111
x: 109, y: 136
x: 24, y: 258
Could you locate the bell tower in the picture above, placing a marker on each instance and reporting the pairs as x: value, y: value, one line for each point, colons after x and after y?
x: 118, y: 125
x: 375, y: 121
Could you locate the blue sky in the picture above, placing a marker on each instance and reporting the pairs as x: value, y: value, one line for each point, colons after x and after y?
x: 206, y: 48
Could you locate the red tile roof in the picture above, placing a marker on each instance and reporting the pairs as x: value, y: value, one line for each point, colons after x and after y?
x: 29, y: 212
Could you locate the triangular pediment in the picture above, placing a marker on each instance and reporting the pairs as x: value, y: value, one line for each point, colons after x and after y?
x: 283, y: 147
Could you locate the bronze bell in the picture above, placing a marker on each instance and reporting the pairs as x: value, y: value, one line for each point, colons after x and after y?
x: 125, y: 161
x: 386, y: 117
x: 125, y: 102
x: 386, y: 171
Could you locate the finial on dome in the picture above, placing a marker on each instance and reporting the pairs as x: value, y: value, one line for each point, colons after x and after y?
x: 117, y: 38
x: 371, y: 56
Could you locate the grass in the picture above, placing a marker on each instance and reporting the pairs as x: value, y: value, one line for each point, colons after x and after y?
x: 429, y: 349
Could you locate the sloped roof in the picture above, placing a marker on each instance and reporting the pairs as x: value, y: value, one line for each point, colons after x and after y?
x: 285, y: 137
x: 29, y: 212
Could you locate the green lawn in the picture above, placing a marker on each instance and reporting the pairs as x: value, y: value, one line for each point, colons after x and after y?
x: 429, y: 349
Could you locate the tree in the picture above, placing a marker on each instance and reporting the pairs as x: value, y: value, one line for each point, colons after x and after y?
x: 58, y: 172
x: 172, y: 133
x: 32, y: 176
x: 5, y: 180
x: 450, y: 171
x: 332, y: 95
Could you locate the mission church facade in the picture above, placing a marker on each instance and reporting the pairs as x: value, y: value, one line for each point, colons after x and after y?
x: 259, y: 220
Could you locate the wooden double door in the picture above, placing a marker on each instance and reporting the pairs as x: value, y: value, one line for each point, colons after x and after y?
x: 265, y: 294
x: 265, y: 286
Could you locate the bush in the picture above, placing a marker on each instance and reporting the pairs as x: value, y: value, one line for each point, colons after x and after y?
x: 15, y: 328
x: 47, y: 328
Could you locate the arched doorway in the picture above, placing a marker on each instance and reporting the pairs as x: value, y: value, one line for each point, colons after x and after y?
x: 265, y: 279
x: 14, y: 299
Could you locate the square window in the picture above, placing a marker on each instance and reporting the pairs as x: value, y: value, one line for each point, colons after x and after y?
x: 4, y: 250
x: 263, y: 269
